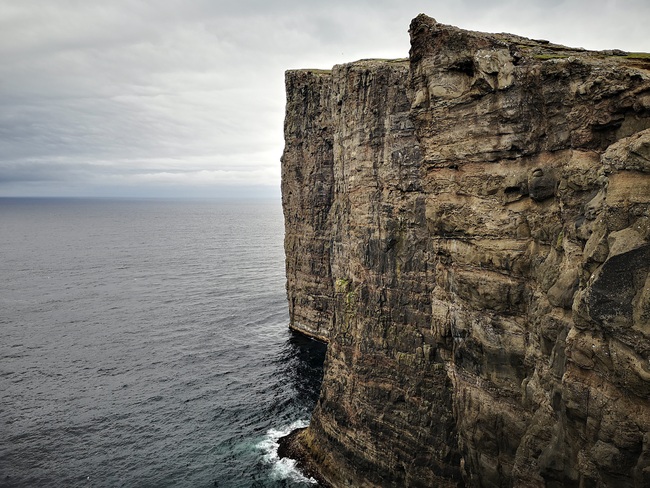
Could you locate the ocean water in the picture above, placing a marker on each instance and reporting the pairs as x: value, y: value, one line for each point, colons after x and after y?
x: 145, y: 344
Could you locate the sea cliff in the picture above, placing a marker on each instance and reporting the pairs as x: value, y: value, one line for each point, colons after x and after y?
x: 469, y: 230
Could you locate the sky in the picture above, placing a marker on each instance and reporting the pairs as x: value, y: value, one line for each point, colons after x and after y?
x: 185, y: 98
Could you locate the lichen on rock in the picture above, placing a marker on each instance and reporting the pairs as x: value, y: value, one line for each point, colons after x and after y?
x: 469, y: 229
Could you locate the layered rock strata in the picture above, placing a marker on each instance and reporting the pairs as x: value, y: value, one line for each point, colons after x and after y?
x: 469, y: 229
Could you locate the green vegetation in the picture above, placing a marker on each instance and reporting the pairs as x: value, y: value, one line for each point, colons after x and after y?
x: 384, y: 60
x: 341, y: 285
x: 550, y: 56
x: 350, y: 301
x: 638, y: 56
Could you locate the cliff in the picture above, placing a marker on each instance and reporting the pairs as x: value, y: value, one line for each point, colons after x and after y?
x: 469, y: 229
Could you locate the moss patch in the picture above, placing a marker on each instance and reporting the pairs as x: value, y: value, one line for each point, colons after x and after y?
x: 550, y: 56
x: 638, y: 56
x: 341, y: 285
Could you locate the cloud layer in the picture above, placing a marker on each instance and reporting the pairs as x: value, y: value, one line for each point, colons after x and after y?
x: 171, y: 97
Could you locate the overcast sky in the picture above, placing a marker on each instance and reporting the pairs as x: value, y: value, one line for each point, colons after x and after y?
x: 186, y: 97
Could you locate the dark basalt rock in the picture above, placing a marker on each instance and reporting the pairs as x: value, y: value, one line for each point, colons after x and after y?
x: 477, y: 337
x: 541, y: 185
x: 617, y: 283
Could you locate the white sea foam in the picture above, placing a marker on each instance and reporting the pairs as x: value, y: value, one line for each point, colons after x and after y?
x: 285, y: 468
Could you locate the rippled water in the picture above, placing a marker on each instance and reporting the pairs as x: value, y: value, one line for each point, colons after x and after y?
x: 146, y: 344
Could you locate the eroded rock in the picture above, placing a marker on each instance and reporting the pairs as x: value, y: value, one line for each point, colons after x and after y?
x: 470, y: 231
x: 541, y: 185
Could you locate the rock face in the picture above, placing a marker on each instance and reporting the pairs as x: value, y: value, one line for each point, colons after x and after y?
x: 469, y: 229
x: 307, y: 195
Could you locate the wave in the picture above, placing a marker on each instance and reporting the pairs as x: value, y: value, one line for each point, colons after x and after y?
x: 283, y: 468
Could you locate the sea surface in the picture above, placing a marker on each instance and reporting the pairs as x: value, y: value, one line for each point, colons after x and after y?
x: 145, y: 344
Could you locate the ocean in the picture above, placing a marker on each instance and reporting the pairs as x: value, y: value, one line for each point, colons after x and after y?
x: 146, y: 344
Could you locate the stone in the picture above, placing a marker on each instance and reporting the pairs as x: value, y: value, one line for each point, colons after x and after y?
x: 562, y: 292
x: 541, y: 185
x: 632, y: 153
x: 469, y: 229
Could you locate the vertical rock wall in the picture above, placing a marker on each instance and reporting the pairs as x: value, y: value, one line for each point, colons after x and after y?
x: 307, y: 193
x: 470, y: 230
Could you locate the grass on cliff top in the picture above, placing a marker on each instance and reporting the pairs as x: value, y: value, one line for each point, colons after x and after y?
x: 318, y: 71
x: 315, y: 71
x: 373, y: 61
x: 391, y: 60
x: 632, y: 56
x: 638, y: 56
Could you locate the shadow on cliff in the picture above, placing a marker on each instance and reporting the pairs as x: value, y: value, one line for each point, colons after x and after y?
x: 302, y: 362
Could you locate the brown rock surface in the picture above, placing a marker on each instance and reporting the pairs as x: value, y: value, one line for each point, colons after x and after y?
x: 470, y: 231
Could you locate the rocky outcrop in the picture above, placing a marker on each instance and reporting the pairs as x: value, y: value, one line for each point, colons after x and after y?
x: 470, y: 231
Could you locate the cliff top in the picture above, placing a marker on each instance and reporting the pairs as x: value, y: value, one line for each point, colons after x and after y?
x: 366, y: 63
x: 447, y: 38
x: 521, y: 48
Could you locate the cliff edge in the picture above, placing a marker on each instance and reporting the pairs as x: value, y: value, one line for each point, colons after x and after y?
x: 469, y: 229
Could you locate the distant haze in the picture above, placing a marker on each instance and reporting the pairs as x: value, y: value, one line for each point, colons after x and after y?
x: 185, y: 98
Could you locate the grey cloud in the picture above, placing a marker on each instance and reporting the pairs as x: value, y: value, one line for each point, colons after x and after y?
x: 147, y: 93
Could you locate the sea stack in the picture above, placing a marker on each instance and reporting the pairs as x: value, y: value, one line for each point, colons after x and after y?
x: 469, y: 230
